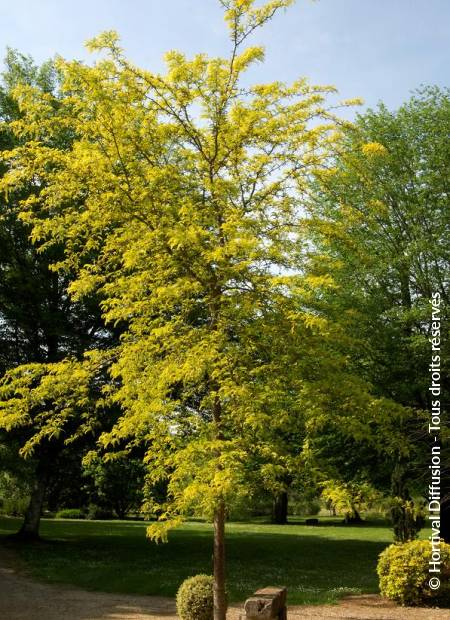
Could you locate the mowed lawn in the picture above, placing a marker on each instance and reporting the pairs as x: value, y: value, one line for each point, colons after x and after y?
x: 317, y: 564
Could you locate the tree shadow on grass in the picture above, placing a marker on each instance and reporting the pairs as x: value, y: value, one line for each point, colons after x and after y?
x: 315, y: 567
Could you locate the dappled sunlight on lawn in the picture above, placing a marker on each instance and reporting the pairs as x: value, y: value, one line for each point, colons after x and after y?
x: 317, y: 564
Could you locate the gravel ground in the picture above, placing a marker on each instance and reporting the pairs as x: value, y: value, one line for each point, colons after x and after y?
x: 22, y: 598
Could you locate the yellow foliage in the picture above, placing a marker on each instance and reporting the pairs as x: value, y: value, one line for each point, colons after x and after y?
x: 373, y: 149
x: 178, y: 203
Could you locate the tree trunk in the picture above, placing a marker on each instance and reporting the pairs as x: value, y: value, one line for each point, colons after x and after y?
x: 445, y: 511
x: 32, y: 519
x: 445, y: 521
x: 220, y: 601
x: 121, y: 511
x: 280, y: 508
x: 352, y: 517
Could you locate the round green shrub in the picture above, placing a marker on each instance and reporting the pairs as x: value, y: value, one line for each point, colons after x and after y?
x: 195, y: 598
x: 404, y: 574
x: 70, y: 513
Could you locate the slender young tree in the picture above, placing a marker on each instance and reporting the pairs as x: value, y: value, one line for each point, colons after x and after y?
x: 178, y: 202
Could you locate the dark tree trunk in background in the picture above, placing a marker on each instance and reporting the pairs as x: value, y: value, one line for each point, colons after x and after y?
x: 32, y: 518
x: 280, y: 509
x: 121, y: 511
x: 352, y: 517
x: 220, y: 599
x: 48, y: 454
x: 445, y: 521
x: 445, y: 508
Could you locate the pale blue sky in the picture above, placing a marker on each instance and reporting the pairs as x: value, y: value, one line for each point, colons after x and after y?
x: 375, y: 49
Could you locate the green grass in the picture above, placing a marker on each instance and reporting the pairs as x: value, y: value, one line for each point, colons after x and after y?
x: 317, y: 564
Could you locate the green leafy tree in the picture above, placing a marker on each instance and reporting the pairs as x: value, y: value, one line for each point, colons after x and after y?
x: 117, y: 483
x: 380, y: 221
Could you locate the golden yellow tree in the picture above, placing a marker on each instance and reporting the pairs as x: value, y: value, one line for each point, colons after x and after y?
x: 178, y: 202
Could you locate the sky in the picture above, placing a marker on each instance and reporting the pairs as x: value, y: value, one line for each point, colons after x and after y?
x: 374, y: 49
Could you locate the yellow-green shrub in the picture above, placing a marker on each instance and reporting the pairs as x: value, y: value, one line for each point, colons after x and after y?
x: 195, y: 598
x: 404, y: 574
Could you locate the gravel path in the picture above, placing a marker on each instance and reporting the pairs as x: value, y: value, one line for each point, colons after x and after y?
x: 22, y: 598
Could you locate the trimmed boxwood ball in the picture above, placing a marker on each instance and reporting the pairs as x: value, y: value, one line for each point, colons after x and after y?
x: 404, y: 574
x: 195, y: 598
